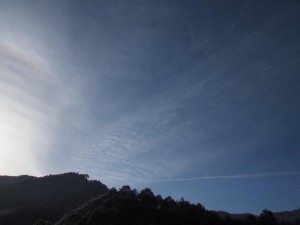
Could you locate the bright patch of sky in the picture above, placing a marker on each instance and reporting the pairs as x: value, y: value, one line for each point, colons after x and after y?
x: 197, y: 99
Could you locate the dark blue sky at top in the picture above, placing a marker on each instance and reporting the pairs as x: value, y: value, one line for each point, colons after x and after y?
x: 153, y: 93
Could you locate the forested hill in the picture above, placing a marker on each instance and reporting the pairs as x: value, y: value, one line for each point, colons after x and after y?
x: 131, y: 207
x: 73, y: 199
x: 286, y: 216
x: 24, y: 200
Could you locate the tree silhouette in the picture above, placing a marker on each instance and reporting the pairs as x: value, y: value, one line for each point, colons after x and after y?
x: 267, y: 218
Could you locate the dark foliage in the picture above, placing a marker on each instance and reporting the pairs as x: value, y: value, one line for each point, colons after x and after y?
x: 43, y: 201
x: 42, y: 222
x: 49, y: 198
x: 128, y: 206
x: 289, y: 216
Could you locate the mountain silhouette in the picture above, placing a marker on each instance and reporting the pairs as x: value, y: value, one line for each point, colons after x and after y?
x: 285, y: 216
x: 25, y: 199
x: 128, y: 206
x: 289, y: 216
x: 73, y: 199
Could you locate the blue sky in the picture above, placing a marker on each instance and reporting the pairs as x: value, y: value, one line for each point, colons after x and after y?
x: 198, y: 99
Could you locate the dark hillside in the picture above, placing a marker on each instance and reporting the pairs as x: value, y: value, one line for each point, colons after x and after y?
x: 49, y: 197
x: 73, y: 199
x: 285, y: 216
x: 131, y: 207
x: 288, y: 215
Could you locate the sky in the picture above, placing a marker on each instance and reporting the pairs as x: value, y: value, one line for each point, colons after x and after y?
x: 194, y: 99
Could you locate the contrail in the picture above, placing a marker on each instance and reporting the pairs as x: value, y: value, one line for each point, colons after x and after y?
x: 235, y: 176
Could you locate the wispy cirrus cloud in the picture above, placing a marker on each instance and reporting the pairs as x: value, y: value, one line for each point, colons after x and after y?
x: 193, y: 118
x: 148, y: 143
x: 33, y: 98
x: 38, y: 88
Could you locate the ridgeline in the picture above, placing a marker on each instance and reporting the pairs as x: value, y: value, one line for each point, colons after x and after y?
x: 73, y: 199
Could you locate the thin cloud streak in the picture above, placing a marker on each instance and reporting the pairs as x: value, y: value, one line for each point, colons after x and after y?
x: 183, y: 125
x: 235, y: 176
